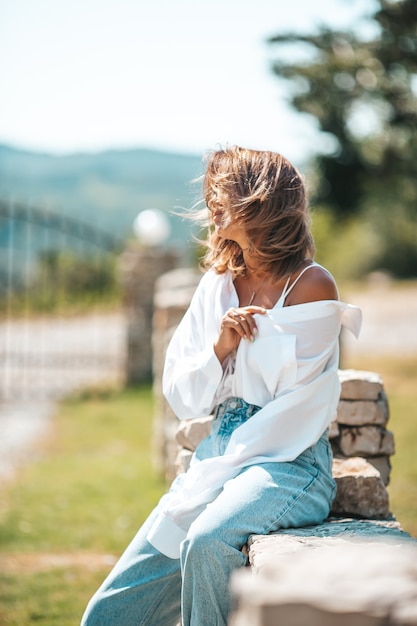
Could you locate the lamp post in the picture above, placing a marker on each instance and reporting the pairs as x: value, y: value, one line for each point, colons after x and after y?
x: 151, y: 227
x: 147, y: 258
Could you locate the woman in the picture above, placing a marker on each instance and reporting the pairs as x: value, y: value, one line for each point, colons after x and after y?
x: 258, y: 347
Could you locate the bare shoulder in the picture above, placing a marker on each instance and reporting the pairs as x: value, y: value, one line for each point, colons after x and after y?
x: 315, y: 284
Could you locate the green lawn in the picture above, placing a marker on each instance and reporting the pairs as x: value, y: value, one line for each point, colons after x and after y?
x: 88, y: 493
x: 93, y: 485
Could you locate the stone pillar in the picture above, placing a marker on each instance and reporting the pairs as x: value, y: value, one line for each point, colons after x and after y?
x: 139, y: 269
x: 173, y: 292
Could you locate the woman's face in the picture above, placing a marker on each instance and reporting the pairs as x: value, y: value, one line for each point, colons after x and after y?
x: 226, y: 224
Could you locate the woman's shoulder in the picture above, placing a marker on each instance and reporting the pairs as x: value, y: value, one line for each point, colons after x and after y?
x: 313, y: 283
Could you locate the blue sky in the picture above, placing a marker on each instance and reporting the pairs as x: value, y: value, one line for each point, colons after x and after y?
x: 177, y: 75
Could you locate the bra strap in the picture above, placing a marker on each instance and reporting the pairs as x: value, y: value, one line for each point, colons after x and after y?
x: 283, y: 294
x: 287, y: 291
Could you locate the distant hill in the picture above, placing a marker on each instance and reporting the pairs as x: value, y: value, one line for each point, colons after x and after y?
x: 106, y: 189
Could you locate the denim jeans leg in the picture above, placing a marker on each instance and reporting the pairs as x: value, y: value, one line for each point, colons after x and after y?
x: 144, y: 587
x: 261, y: 499
x: 148, y: 588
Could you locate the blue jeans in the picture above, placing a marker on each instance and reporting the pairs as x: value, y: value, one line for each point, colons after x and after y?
x: 148, y: 588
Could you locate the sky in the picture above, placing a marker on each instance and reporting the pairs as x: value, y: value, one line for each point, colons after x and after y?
x: 177, y: 75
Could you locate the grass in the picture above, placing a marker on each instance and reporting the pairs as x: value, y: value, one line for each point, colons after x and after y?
x: 85, y: 497
x: 48, y: 598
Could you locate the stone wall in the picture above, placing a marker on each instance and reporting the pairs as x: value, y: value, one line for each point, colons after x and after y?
x: 362, y: 416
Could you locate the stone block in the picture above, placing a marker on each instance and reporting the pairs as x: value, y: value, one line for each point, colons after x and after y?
x: 360, y: 385
x: 383, y: 465
x: 264, y: 550
x: 191, y: 432
x: 363, y: 412
x: 348, y: 582
x: 360, y: 489
x: 366, y: 441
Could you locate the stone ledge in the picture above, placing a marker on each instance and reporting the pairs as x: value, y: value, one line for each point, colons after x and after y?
x: 345, y: 572
x: 264, y: 550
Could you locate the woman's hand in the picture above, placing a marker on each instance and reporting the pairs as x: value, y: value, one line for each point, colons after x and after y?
x: 237, y: 323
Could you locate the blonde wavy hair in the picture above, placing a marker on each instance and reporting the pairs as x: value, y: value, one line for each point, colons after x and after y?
x: 266, y: 195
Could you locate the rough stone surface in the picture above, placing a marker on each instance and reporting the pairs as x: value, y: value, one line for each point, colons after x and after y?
x: 360, y: 489
x: 362, y: 412
x: 366, y: 441
x: 264, y: 550
x: 383, y: 465
x: 328, y: 576
x: 360, y: 385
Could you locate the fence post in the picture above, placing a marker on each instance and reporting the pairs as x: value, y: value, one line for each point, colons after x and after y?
x: 139, y: 269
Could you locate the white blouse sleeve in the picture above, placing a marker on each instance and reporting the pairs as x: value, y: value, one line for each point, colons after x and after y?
x: 192, y: 371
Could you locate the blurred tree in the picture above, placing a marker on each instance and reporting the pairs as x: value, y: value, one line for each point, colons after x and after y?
x: 362, y: 90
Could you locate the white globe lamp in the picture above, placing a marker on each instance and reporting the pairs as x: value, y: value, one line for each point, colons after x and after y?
x: 151, y: 227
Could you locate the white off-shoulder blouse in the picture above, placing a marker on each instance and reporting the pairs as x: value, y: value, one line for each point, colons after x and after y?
x: 290, y: 371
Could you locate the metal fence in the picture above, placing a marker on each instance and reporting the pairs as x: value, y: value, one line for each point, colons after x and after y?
x: 61, y: 324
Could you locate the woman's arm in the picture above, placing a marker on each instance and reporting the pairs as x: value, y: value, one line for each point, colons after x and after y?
x: 192, y: 371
